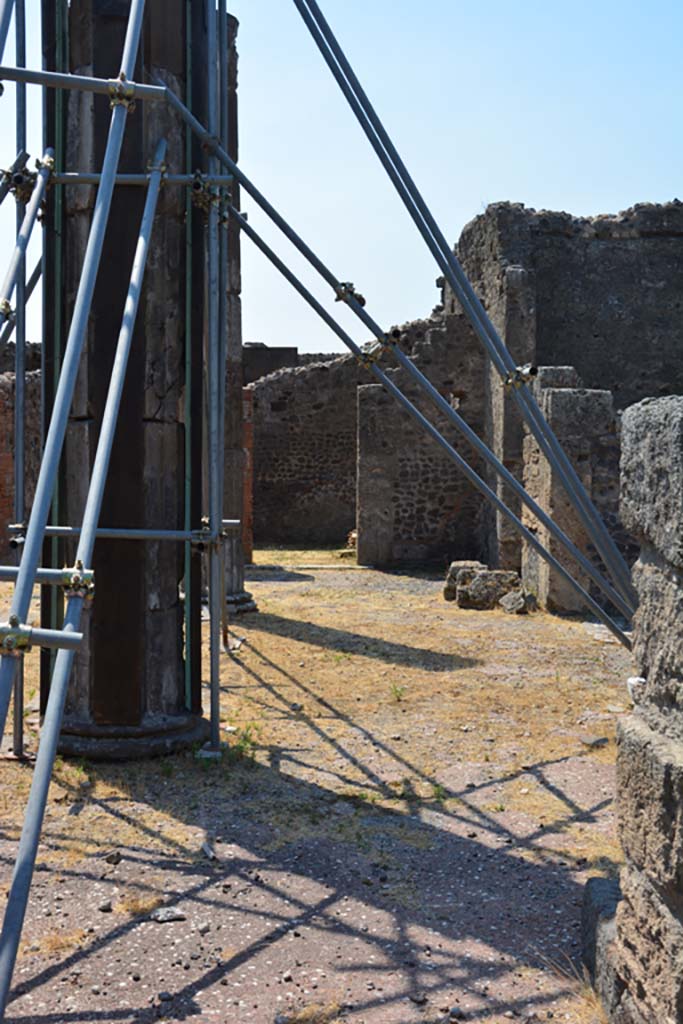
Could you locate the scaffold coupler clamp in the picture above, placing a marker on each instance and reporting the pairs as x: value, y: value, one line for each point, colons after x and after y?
x: 203, y: 196
x: 162, y: 168
x: 370, y: 353
x: 122, y: 93
x: 346, y: 291
x: 6, y: 310
x: 16, y: 638
x: 22, y: 183
x: 520, y: 375
x: 78, y: 582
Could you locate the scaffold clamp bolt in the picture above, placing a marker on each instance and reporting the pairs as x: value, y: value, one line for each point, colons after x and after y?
x: 520, y: 375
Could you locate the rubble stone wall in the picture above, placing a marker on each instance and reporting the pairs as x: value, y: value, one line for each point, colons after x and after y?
x: 414, y: 504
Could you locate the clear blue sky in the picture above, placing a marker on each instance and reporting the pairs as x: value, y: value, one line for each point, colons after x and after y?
x: 572, y: 106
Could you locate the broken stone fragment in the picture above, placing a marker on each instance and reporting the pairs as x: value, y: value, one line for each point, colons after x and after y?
x: 483, y: 588
x: 164, y: 915
x: 518, y: 602
x: 451, y: 584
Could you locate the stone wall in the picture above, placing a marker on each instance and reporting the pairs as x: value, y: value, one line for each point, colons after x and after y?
x: 414, y: 504
x: 602, y: 294
x: 305, y: 453
x: 33, y: 448
x: 639, y: 972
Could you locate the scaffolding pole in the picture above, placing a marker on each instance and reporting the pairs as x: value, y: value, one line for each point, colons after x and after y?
x: 55, y: 437
x: 28, y: 845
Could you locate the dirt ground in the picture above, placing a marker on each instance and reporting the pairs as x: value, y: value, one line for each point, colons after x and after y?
x: 410, y: 801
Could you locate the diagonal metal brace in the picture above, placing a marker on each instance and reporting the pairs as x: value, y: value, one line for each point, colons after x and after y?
x: 370, y: 353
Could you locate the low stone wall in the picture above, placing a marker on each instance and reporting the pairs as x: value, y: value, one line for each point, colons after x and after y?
x: 640, y: 972
x: 32, y: 443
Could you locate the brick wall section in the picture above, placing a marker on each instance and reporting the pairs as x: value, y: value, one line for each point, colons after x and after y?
x: 32, y: 440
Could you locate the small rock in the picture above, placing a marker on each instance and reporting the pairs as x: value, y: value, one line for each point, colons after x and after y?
x: 287, y: 976
x: 113, y: 858
x: 208, y: 851
x: 163, y: 915
x: 105, y: 907
x: 95, y: 989
x: 165, y: 997
x: 419, y: 998
x: 203, y: 928
x: 455, y: 1013
x: 296, y: 707
x: 518, y: 603
x: 593, y: 742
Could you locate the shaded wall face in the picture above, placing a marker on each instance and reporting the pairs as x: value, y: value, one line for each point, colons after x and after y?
x: 305, y: 454
x: 414, y: 505
x: 613, y: 308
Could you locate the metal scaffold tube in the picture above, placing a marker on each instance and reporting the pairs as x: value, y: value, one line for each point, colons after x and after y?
x: 9, y: 327
x: 20, y: 359
x: 23, y: 236
x: 415, y: 413
x: 117, y: 88
x: 5, y: 19
x: 72, y: 354
x: 28, y: 845
x: 501, y: 358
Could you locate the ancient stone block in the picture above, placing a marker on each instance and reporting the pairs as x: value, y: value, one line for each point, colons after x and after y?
x: 450, y: 590
x: 484, y: 589
x: 657, y: 640
x: 652, y: 474
x: 650, y: 801
x: 517, y: 602
x: 648, y: 955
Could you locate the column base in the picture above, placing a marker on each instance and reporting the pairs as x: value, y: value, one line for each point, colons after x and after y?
x: 157, y: 736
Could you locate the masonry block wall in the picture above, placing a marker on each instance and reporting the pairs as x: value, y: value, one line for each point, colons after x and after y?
x: 413, y: 504
x: 7, y: 450
x: 642, y: 970
x: 602, y: 294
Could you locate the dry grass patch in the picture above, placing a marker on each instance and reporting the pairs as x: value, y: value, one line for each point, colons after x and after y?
x: 55, y: 944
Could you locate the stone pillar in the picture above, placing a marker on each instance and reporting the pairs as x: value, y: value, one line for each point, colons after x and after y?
x: 130, y: 692
x: 583, y: 421
x: 640, y: 972
x: 515, y: 318
x: 233, y: 493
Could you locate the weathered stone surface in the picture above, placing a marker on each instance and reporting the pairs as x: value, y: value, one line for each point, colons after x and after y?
x: 658, y: 648
x: 414, y: 504
x: 450, y: 590
x: 650, y: 801
x: 517, y: 602
x: 652, y: 474
x: 598, y: 932
x: 648, y: 955
x: 484, y: 589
